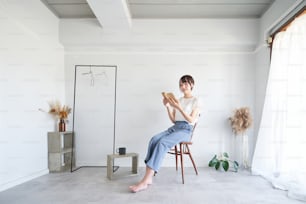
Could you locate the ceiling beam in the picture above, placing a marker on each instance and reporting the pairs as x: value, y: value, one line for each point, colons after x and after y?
x: 111, y: 14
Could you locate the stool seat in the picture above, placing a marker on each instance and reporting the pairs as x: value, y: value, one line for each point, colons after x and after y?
x: 110, y: 163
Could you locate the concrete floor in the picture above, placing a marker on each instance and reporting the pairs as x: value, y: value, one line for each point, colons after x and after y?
x: 90, y: 185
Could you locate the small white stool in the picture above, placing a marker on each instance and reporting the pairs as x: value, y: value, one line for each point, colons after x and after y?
x: 110, y: 163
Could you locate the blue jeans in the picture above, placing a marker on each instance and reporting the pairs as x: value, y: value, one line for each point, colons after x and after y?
x: 161, y: 143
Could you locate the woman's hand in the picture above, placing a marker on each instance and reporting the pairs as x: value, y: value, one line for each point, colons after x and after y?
x: 165, y: 102
x: 175, y: 104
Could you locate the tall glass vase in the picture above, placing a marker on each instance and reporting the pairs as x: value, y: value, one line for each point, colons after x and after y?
x: 245, y: 150
x: 241, y: 151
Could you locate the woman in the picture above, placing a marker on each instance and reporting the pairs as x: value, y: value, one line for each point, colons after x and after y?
x: 183, y: 113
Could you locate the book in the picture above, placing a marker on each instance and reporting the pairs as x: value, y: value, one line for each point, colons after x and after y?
x: 169, y: 96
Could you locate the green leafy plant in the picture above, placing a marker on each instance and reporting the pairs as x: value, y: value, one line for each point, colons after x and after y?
x: 224, y: 162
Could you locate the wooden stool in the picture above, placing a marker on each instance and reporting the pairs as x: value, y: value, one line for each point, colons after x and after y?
x: 110, y: 163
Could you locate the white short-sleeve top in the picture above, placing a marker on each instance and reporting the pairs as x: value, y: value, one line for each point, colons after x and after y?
x: 188, y: 105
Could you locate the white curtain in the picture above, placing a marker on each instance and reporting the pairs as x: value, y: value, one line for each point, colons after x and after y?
x: 280, y: 153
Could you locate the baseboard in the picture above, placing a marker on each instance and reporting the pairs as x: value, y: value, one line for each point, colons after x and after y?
x: 23, y: 179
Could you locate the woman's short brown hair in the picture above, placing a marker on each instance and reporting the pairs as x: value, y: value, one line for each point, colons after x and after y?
x: 188, y: 79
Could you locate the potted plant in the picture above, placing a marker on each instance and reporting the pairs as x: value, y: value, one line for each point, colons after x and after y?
x: 224, y: 162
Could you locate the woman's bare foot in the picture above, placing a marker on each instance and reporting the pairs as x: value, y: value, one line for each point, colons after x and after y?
x: 143, y: 184
x: 139, y: 187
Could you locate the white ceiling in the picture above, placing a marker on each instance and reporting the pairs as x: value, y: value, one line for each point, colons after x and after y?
x: 160, y: 9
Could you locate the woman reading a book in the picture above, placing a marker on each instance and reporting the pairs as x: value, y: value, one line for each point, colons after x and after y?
x: 183, y: 112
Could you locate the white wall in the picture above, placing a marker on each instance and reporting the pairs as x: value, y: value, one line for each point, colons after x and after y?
x: 197, y: 35
x: 152, y: 60
x: 31, y: 74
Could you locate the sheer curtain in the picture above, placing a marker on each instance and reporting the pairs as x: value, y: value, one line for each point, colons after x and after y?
x: 280, y: 153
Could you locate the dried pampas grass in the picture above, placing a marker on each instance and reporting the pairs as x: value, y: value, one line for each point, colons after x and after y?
x: 57, y: 110
x: 241, y: 120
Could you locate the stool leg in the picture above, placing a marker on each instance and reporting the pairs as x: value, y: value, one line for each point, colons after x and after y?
x: 176, y: 155
x: 182, y: 163
x: 194, y: 166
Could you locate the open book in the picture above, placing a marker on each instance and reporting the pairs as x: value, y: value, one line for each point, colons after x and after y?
x: 169, y: 96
